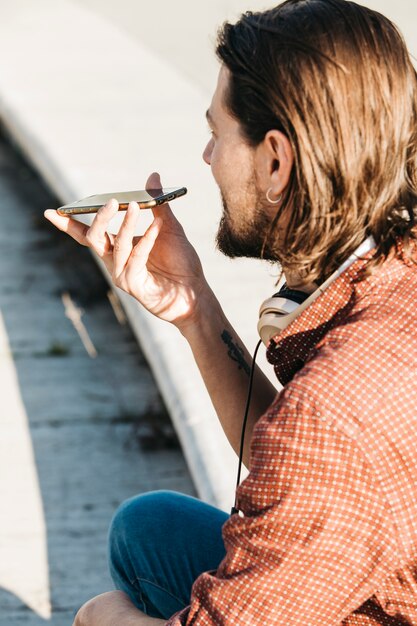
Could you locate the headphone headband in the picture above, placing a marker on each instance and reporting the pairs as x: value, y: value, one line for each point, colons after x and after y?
x: 278, y: 312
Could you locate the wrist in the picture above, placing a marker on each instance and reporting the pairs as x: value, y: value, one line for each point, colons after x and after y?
x: 207, y: 315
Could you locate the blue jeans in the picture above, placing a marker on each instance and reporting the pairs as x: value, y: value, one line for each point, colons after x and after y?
x: 159, y: 543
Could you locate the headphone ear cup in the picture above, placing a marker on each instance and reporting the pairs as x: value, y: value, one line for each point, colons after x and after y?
x: 278, y: 312
x: 275, y: 314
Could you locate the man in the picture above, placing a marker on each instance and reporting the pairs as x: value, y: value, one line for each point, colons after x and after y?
x: 314, y: 149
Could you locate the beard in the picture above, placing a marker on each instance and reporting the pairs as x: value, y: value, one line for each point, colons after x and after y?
x: 251, y: 239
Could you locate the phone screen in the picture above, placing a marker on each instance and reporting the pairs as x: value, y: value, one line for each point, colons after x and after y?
x: 145, y: 199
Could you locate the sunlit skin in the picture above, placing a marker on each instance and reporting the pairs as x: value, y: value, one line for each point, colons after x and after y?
x: 113, y: 608
x: 169, y: 283
x: 160, y: 269
x: 244, y: 174
x: 163, y: 272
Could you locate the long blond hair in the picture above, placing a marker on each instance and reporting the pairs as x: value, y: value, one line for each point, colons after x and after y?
x: 337, y: 79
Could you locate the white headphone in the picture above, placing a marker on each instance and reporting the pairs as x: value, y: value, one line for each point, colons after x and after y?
x: 278, y: 312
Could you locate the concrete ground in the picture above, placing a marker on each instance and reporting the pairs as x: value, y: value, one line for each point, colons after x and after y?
x: 82, y: 426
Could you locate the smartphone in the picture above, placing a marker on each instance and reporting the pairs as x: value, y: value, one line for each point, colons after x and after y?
x: 145, y: 199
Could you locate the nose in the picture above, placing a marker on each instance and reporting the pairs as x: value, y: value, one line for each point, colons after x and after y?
x: 208, y: 151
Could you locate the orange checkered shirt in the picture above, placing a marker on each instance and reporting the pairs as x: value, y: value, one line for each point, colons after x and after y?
x: 329, y: 532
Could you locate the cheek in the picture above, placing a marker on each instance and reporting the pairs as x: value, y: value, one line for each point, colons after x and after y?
x: 223, y: 158
x: 231, y: 164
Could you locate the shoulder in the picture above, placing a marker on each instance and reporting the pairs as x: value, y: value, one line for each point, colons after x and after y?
x: 367, y: 360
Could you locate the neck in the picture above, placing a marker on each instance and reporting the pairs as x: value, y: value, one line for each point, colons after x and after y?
x: 297, y: 283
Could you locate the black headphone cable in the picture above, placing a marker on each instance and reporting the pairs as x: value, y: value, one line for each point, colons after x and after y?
x: 245, y: 419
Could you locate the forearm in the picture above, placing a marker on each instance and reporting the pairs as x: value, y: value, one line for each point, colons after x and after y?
x: 225, y: 364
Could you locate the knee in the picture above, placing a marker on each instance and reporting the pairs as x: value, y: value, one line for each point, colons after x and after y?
x: 139, y: 522
x: 141, y: 512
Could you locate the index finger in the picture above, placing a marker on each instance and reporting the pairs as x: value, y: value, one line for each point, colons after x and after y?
x: 75, y: 229
x: 100, y: 224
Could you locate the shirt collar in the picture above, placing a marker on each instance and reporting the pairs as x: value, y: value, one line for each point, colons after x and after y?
x: 289, y: 350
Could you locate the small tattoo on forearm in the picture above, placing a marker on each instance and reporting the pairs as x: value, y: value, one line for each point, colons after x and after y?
x: 235, y: 352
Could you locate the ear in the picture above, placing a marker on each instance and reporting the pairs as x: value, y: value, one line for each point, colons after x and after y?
x: 274, y: 160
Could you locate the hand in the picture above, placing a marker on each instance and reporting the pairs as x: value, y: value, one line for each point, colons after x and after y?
x: 160, y: 269
x: 113, y: 608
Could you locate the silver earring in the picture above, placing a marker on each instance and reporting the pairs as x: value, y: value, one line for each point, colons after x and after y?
x: 273, y: 201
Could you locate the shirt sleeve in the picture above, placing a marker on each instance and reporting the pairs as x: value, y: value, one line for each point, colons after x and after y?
x: 316, y: 538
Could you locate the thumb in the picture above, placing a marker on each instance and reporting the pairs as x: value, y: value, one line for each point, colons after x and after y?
x: 163, y: 210
x: 154, y: 181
